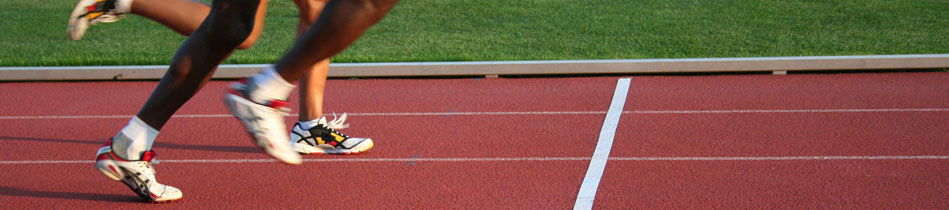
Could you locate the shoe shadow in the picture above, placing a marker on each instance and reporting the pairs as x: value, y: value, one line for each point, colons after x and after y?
x: 75, y: 141
x: 13, y: 191
x: 234, y: 149
x: 162, y: 145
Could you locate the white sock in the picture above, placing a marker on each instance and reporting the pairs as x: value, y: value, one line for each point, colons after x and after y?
x: 133, y: 140
x: 123, y: 6
x: 268, y: 85
x: 309, y: 124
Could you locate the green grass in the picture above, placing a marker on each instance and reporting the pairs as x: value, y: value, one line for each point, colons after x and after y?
x: 33, y: 32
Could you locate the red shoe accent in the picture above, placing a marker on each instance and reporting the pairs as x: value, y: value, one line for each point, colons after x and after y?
x: 332, y: 143
x: 115, y: 157
x: 148, y: 155
x: 102, y: 157
x: 113, y: 169
x: 277, y: 104
x: 91, y: 8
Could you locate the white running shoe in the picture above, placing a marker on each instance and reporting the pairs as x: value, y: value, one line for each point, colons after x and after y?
x: 139, y: 175
x: 90, y: 12
x: 324, y: 139
x: 264, y: 123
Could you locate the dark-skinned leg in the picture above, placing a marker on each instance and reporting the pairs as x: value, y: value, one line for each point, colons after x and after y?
x: 128, y: 158
x: 338, y: 26
x: 227, y: 26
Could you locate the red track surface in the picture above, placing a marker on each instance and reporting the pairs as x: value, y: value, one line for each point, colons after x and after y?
x: 547, y: 153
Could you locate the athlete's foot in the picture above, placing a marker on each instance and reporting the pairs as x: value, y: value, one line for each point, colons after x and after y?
x: 323, y: 138
x: 264, y: 122
x: 90, y: 12
x: 138, y: 175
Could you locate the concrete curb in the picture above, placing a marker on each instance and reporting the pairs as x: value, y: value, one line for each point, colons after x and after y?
x: 777, y: 65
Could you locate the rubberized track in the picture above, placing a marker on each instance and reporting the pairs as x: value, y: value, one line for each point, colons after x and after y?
x: 854, y: 141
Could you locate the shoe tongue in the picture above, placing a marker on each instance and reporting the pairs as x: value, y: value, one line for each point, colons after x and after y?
x: 148, y: 155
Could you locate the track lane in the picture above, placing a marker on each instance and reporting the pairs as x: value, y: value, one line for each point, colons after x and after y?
x: 800, y: 184
x: 544, y: 184
x: 706, y: 169
x: 373, y: 185
x: 364, y: 96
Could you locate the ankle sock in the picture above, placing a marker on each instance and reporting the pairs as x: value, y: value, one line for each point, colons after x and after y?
x: 310, y: 124
x: 133, y: 140
x: 268, y: 85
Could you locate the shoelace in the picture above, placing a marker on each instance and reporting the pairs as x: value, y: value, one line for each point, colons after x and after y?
x: 338, y: 133
x: 145, y: 166
x: 337, y: 123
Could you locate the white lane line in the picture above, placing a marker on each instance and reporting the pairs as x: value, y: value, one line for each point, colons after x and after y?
x: 782, y: 111
x: 511, y: 159
x: 477, y: 113
x: 293, y: 115
x: 508, y: 159
x: 591, y: 181
x: 930, y: 157
x: 514, y: 113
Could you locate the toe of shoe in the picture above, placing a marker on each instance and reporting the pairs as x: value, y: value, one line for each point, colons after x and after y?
x: 291, y: 157
x: 169, y: 194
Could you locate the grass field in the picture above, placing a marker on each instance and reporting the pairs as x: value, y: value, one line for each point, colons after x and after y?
x: 34, y: 32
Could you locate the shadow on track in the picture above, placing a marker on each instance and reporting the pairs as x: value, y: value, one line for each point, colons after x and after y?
x: 161, y: 145
x: 13, y: 191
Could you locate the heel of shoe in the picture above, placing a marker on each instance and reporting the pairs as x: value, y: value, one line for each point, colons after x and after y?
x: 108, y: 169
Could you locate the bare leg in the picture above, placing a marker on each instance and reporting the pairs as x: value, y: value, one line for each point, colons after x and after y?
x: 338, y: 26
x: 229, y: 24
x: 313, y: 83
x: 311, y: 91
x: 258, y: 102
x: 184, y: 16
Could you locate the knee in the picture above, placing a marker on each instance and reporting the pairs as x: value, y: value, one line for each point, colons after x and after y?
x: 232, y: 27
x: 234, y: 32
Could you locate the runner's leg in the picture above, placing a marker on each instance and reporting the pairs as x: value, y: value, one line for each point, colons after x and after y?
x: 184, y: 16
x: 338, y: 26
x: 314, y: 82
x: 229, y: 24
